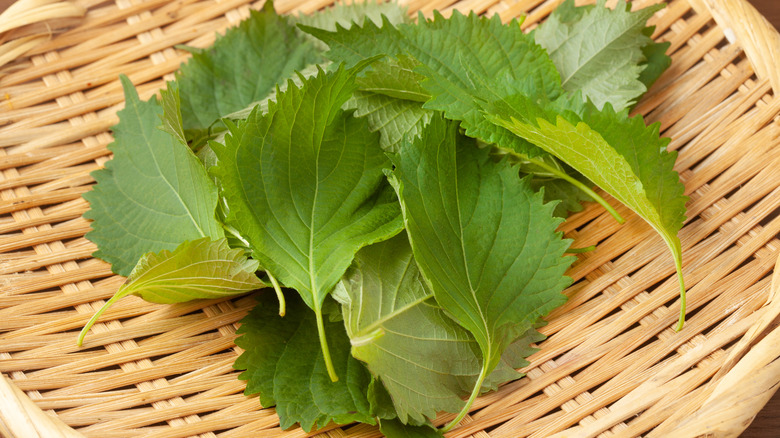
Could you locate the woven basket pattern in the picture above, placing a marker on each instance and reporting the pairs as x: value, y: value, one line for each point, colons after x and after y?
x: 612, y: 364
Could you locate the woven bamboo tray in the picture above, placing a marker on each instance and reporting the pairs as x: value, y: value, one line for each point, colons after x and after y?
x: 612, y: 365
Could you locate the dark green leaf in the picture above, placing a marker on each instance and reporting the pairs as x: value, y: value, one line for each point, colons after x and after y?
x: 460, y: 56
x: 396, y: 429
x: 657, y: 61
x: 284, y: 364
x: 242, y: 67
x: 346, y: 14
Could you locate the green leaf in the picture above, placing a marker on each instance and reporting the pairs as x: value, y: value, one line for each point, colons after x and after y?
x: 599, y: 51
x: 657, y: 61
x: 380, y: 400
x: 621, y: 155
x: 393, y: 118
x: 483, y: 239
x: 390, y: 98
x: 395, y: 77
x: 352, y: 45
x: 341, y: 14
x: 426, y: 361
x: 399, y: 331
x: 242, y: 67
x: 153, y: 195
x: 284, y: 365
x: 304, y: 185
x: 468, y: 61
x: 346, y: 14
x: 198, y: 269
x: 397, y: 429
x: 459, y: 56
x: 568, y: 197
x: 172, y: 122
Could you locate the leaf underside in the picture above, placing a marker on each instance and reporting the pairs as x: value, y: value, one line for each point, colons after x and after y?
x: 198, y: 269
x: 154, y: 193
x: 599, y: 51
x: 426, y: 361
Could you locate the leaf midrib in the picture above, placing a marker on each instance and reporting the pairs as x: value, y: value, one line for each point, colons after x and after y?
x: 164, y: 176
x: 394, y: 314
x: 485, y: 348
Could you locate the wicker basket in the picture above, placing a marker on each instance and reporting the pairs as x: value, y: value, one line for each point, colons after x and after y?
x: 612, y: 365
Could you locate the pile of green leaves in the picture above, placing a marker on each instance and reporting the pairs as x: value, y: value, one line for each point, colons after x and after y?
x: 397, y: 184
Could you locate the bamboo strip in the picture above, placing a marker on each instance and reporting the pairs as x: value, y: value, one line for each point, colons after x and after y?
x: 22, y: 17
x: 21, y: 417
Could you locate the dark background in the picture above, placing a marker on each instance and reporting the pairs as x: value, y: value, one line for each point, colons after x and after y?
x: 767, y: 423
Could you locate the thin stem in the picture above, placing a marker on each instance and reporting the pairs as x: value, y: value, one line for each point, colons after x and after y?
x: 564, y: 176
x: 324, y: 346
x: 581, y: 250
x: 120, y: 294
x: 279, y: 294
x: 681, y: 281
x: 474, y: 393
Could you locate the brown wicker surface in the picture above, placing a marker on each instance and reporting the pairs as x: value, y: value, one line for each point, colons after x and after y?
x: 612, y: 364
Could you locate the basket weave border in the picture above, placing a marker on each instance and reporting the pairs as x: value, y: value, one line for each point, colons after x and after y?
x: 612, y: 364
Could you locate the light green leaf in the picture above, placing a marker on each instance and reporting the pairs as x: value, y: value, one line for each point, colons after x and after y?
x: 153, y: 195
x: 620, y: 154
x: 395, y: 77
x: 304, y: 185
x: 172, y: 122
x: 483, y: 239
x: 426, y: 361
x: 390, y: 98
x: 198, y: 269
x: 598, y: 50
x: 284, y: 365
x: 393, y: 118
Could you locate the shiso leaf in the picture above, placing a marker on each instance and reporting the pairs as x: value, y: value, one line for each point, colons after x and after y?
x: 599, y: 51
x: 241, y: 67
x: 305, y: 185
x: 154, y: 193
x: 483, y: 239
x: 197, y: 269
x: 620, y: 154
x: 284, y: 365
